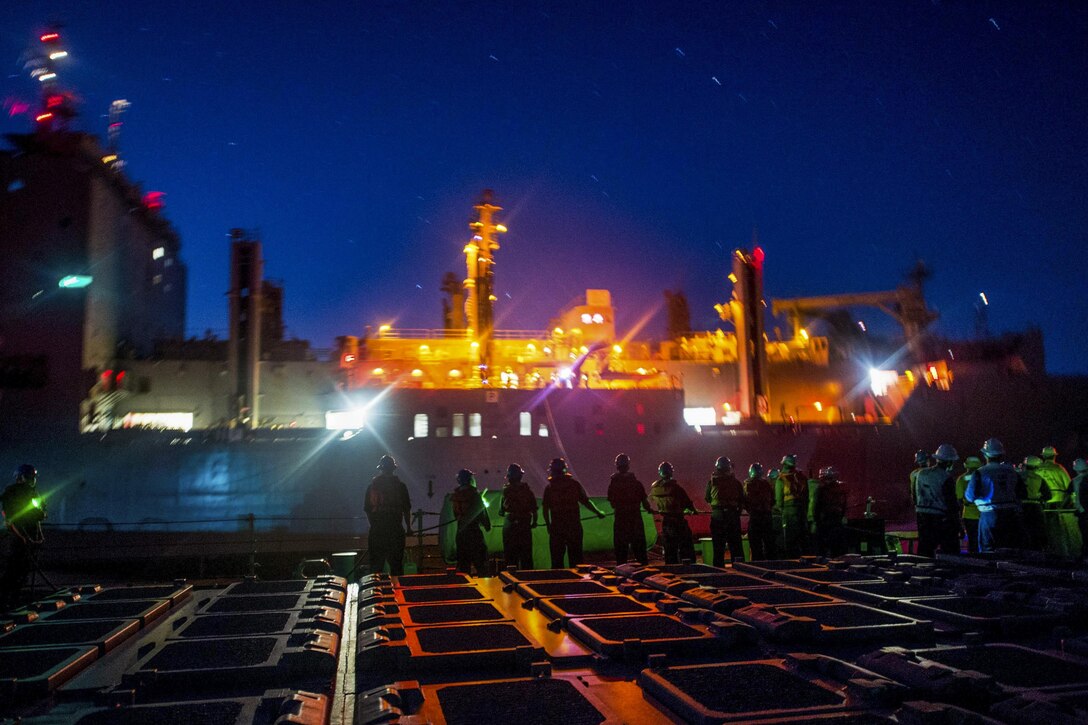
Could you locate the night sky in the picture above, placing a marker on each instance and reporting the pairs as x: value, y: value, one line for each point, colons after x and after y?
x: 632, y: 144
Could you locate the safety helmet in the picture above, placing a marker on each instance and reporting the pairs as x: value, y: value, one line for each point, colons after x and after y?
x: 1080, y: 465
x: 755, y: 470
x: 515, y: 472
x: 623, y: 462
x: 665, y: 469
x: 972, y: 463
x: 829, y: 473
x: 921, y: 458
x: 26, y: 472
x: 724, y: 464
x: 993, y: 448
x: 1032, y: 462
x: 789, y: 461
x: 945, y: 453
x: 387, y: 463
x: 1049, y: 453
x: 558, y: 466
x: 466, y: 477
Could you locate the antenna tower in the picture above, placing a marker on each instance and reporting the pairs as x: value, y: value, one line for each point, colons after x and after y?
x: 44, y: 60
x: 117, y: 109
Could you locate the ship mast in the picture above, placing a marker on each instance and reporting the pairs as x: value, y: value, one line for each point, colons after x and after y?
x: 480, y: 278
x: 117, y: 109
x: 43, y: 62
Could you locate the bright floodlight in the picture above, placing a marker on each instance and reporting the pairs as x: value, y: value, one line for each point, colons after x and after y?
x: 353, y: 419
x: 882, y: 380
x: 75, y: 281
x: 159, y: 421
x: 700, y: 416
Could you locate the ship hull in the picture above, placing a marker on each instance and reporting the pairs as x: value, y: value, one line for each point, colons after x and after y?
x: 314, y: 480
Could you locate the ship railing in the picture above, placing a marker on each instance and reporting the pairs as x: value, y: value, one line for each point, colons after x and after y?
x: 243, y: 537
x: 100, y: 538
x: 409, y: 333
x: 444, y: 334
x: 520, y: 335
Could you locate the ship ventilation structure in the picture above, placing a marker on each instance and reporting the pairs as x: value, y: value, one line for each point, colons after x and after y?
x: 453, y: 304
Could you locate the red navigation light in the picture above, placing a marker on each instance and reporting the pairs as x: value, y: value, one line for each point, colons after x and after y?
x: 112, y: 380
x: 640, y: 428
x: 757, y: 257
x: 49, y: 37
x: 154, y: 200
x: 43, y: 117
x: 54, y: 101
x: 15, y: 107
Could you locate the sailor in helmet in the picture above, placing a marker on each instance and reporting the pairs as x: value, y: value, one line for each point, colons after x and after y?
x: 997, y: 490
x: 519, y: 507
x: 935, y: 506
x: 562, y: 497
x: 386, y: 505
x: 23, y: 516
x: 472, y: 518
x: 673, y: 503
x: 827, y: 500
x: 791, y: 498
x: 759, y: 502
x: 628, y: 498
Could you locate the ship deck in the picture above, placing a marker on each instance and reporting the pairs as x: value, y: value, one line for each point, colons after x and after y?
x: 856, y: 639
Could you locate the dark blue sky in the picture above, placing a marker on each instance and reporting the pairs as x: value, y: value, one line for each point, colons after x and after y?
x: 633, y: 145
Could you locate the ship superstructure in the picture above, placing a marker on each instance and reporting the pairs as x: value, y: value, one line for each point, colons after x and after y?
x: 92, y: 268
x: 726, y: 376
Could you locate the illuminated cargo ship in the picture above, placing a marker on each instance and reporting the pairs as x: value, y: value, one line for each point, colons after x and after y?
x: 213, y: 429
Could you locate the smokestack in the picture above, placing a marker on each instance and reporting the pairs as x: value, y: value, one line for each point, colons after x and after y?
x: 246, y: 298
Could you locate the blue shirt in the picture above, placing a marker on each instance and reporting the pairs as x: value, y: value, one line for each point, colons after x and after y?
x: 996, y: 486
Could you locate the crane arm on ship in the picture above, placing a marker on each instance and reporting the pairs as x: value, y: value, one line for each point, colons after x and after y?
x: 906, y: 305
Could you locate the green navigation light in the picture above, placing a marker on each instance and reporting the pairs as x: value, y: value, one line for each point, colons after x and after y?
x: 75, y: 281
x: 36, y: 502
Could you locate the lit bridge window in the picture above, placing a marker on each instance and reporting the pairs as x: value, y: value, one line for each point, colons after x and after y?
x: 420, y: 426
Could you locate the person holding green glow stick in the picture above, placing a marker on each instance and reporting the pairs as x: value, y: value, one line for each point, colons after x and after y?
x: 24, y: 512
